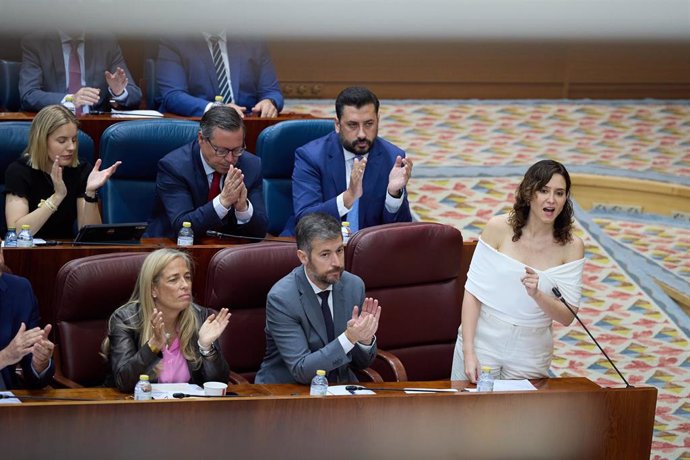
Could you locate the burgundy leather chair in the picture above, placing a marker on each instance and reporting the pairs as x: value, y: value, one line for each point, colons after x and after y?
x: 87, y: 291
x: 413, y: 269
x: 239, y: 279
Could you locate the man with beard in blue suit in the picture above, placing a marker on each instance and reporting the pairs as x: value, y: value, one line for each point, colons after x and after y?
x: 329, y: 174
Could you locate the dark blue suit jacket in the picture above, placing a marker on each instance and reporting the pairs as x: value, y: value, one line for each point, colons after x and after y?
x: 42, y: 79
x: 182, y: 195
x: 18, y: 305
x: 319, y: 177
x: 187, y: 79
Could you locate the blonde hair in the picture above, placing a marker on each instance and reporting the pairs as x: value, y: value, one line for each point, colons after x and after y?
x: 150, y: 275
x: 45, y: 123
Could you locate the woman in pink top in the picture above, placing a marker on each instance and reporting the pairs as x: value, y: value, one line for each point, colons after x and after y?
x: 161, y: 332
x: 509, y: 307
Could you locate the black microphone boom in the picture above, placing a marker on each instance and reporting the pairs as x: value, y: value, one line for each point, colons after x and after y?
x: 352, y: 388
x: 559, y: 296
x: 220, y: 235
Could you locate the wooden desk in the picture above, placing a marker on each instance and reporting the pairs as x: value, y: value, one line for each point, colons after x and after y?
x: 569, y: 418
x: 94, y: 125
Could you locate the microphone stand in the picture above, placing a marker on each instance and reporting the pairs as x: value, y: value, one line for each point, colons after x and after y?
x: 559, y: 296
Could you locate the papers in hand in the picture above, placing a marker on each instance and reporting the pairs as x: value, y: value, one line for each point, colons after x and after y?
x: 136, y: 114
x: 166, y: 390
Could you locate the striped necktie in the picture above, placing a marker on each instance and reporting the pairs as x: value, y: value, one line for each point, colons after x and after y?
x: 221, y: 72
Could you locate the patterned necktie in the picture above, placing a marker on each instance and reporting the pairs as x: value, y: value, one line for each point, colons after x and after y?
x: 214, y: 188
x: 330, y: 329
x: 222, y: 74
x: 74, y: 71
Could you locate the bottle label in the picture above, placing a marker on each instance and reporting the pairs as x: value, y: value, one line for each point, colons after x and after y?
x: 185, y: 241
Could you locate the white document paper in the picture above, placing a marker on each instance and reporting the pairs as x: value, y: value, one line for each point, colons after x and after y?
x: 136, y: 114
x: 508, y: 385
x: 166, y: 390
x: 513, y: 385
x: 339, y: 390
x: 9, y: 400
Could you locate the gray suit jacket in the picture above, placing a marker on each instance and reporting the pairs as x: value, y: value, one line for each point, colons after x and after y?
x: 296, y: 339
x: 42, y: 79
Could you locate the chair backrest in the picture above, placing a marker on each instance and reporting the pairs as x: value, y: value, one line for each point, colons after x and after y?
x: 14, y: 137
x: 139, y: 144
x: 87, y: 291
x: 239, y: 278
x: 150, y: 83
x: 9, y: 86
x: 413, y: 269
x: 276, y: 146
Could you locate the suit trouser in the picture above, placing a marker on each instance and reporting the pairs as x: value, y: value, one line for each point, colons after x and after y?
x: 512, y: 351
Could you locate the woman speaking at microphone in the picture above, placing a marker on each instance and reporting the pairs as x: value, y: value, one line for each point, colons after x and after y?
x: 508, y: 307
x: 161, y: 332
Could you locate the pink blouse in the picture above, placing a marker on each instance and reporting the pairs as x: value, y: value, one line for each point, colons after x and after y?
x: 174, y: 368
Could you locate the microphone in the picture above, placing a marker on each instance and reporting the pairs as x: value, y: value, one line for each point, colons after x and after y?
x: 45, y: 398
x: 220, y: 235
x: 560, y: 297
x: 187, y: 395
x: 353, y: 388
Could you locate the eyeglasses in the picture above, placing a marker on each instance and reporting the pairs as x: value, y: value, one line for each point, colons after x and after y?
x: 223, y: 152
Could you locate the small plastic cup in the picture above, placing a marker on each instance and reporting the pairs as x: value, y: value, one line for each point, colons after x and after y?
x: 215, y: 388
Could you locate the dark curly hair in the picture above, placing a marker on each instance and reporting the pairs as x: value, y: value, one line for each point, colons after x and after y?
x: 537, y: 176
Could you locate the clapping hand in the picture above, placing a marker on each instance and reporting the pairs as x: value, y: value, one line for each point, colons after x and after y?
x: 399, y: 176
x: 97, y: 178
x: 362, y: 326
x: 42, y: 351
x: 213, y: 327
x: 117, y: 81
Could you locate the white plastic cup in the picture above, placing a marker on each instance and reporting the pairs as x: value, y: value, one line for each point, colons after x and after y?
x: 215, y: 388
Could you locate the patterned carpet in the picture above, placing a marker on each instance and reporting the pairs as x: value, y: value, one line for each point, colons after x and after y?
x: 470, y: 156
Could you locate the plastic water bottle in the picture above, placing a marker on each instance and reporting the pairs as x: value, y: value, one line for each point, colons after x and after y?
x: 319, y: 384
x: 346, y: 231
x: 11, y: 238
x: 186, y: 235
x: 69, y: 103
x: 218, y: 101
x: 486, y: 380
x: 142, y: 390
x: 25, y: 239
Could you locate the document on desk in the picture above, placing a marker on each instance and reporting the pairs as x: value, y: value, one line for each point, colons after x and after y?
x: 508, y: 385
x: 8, y: 398
x: 340, y: 390
x: 136, y: 114
x: 166, y: 390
